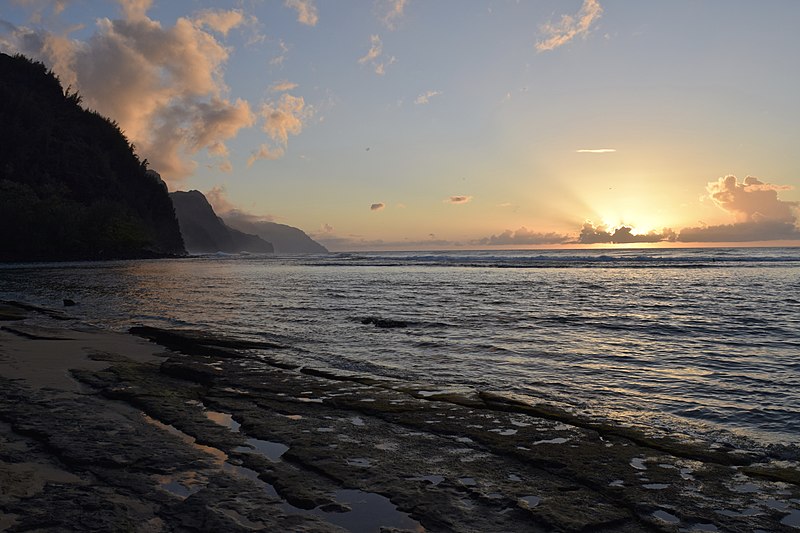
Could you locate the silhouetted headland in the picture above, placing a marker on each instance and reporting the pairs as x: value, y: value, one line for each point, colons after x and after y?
x: 71, y: 185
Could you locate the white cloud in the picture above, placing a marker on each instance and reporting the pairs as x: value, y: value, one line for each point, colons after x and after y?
x: 135, y: 9
x: 760, y: 215
x: 285, y: 117
x: 266, y: 151
x: 282, y: 86
x: 373, y: 56
x: 425, y: 98
x: 569, y: 27
x: 392, y: 11
x: 377, y: 206
x: 751, y: 200
x: 375, y: 50
x: 596, y: 150
x: 281, y: 57
x: 306, y: 11
x: 220, y: 21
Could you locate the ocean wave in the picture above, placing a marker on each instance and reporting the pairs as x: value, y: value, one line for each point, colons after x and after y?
x: 681, y: 258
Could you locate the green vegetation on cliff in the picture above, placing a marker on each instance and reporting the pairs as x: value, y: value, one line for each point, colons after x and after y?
x: 71, y: 185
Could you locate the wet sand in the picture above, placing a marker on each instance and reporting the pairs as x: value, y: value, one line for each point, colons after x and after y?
x: 189, y: 431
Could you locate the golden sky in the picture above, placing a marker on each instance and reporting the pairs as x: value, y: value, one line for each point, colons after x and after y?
x: 448, y: 124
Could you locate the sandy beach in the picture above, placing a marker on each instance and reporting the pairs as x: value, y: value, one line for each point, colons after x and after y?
x: 179, y: 431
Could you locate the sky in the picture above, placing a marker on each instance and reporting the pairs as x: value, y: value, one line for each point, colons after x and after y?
x: 439, y: 124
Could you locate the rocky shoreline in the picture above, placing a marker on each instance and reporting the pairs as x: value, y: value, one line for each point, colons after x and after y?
x: 189, y: 431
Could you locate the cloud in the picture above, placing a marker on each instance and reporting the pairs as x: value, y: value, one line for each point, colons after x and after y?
x: 569, y: 27
x: 595, y: 150
x: 375, y: 50
x: 752, y: 200
x: 282, y: 86
x: 591, y: 234
x: 458, y: 199
x: 523, y: 236
x: 283, y: 117
x: 281, y: 57
x: 135, y: 9
x: 377, y: 207
x: 306, y: 11
x: 424, y: 98
x: 760, y: 215
x: 163, y: 85
x: 326, y: 228
x: 768, y: 230
x: 373, y: 56
x: 220, y: 21
x: 265, y: 151
x: 392, y: 12
x: 41, y: 6
x: 218, y: 198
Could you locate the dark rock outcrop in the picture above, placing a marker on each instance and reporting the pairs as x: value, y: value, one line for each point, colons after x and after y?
x: 71, y: 185
x: 204, y: 232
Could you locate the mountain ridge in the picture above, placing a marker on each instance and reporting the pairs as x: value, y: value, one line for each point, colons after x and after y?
x: 71, y: 185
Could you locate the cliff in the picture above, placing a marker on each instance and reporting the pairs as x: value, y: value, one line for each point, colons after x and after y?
x: 204, y: 232
x: 71, y: 185
x: 285, y: 239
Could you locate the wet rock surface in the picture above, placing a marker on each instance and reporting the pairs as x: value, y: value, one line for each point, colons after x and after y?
x: 216, y: 438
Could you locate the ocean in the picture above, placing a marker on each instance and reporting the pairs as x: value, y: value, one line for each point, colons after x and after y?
x: 696, y: 343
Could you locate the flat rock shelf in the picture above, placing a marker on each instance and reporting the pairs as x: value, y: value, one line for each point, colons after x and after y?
x: 205, y: 433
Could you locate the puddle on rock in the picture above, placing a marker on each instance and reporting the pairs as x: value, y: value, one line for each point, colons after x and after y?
x: 271, y: 450
x: 508, y: 432
x: 360, y: 462
x: 777, y: 505
x: 666, y: 517
x: 703, y: 527
x: 182, y: 484
x: 746, y: 488
x: 369, y: 512
x: 433, y: 479
x: 792, y: 519
x: 638, y: 463
x: 735, y: 514
x: 224, y: 420
x: 655, y: 486
x: 529, y: 502
x: 168, y: 483
x: 557, y: 440
x: 467, y: 481
x: 309, y: 400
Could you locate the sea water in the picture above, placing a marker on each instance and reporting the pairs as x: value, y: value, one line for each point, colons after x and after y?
x: 696, y: 342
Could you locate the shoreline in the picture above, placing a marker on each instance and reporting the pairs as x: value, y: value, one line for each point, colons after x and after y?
x: 109, y: 428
